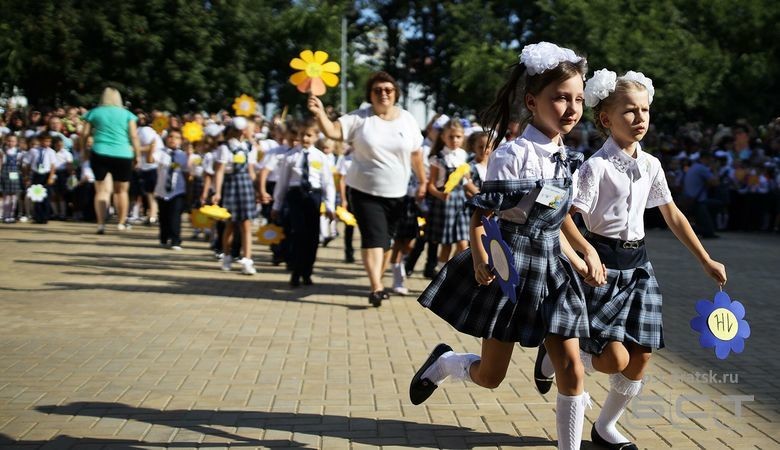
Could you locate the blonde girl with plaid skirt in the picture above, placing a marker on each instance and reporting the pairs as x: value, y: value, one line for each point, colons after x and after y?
x: 625, y: 313
x: 234, y: 185
x: 448, y: 220
x: 549, y: 303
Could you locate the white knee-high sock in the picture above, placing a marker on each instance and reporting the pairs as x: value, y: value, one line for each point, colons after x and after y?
x: 569, y: 418
x: 621, y: 391
x: 451, y: 364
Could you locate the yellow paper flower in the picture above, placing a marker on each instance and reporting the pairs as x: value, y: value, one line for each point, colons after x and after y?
x: 314, y: 73
x: 160, y: 123
x: 245, y: 105
x: 215, y: 212
x: 200, y: 220
x: 345, y: 216
x: 192, y: 131
x: 270, y: 234
x: 455, y: 177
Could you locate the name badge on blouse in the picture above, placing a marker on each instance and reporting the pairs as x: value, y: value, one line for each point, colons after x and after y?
x: 42, y: 169
x: 239, y: 158
x: 175, y: 166
x: 316, y: 165
x: 13, y: 176
x: 551, y: 196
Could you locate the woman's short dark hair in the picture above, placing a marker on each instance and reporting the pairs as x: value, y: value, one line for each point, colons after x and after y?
x: 381, y: 77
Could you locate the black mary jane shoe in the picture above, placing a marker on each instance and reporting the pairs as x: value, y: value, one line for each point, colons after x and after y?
x: 375, y: 298
x: 543, y: 383
x: 601, y: 442
x: 421, y: 388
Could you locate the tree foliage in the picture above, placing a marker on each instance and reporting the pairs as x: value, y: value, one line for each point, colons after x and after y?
x: 714, y: 60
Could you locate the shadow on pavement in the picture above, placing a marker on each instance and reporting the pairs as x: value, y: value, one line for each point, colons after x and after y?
x: 65, y: 441
x: 355, y: 429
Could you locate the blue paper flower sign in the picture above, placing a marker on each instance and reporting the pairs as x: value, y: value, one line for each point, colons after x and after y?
x: 500, y: 258
x: 722, y: 325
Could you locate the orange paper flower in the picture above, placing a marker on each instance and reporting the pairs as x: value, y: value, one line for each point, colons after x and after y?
x: 314, y: 73
x: 192, y: 131
x: 245, y: 105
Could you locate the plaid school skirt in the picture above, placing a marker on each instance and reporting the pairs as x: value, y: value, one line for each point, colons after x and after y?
x: 448, y: 221
x: 238, y: 196
x: 549, y: 296
x: 626, y: 309
x: 407, y: 226
x: 197, y: 190
x: 7, y: 185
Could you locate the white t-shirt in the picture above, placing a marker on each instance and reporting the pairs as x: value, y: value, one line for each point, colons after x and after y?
x: 453, y: 159
x: 612, y: 191
x: 271, y: 161
x: 224, y: 153
x: 62, y: 158
x: 147, y: 136
x: 530, y: 156
x: 382, y: 149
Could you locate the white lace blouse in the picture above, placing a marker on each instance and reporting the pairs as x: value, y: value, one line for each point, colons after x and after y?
x: 612, y: 191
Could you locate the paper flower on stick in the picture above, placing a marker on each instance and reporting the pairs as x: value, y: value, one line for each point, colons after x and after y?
x: 313, y: 72
x: 215, y: 212
x: 37, y: 193
x: 192, y: 131
x: 200, y: 220
x: 722, y: 325
x: 345, y: 216
x: 455, y: 177
x: 500, y: 259
x: 245, y: 105
x: 160, y: 123
x: 270, y: 234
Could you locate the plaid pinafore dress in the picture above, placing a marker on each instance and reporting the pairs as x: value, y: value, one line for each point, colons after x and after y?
x: 448, y: 221
x: 238, y: 194
x: 549, y: 296
x: 9, y: 186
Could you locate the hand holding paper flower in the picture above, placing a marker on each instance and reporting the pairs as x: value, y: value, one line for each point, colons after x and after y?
x: 456, y: 177
x: 313, y: 72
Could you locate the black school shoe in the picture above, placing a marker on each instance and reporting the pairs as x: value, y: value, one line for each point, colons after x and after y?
x: 543, y: 383
x: 422, y: 388
x: 375, y: 298
x: 600, y: 441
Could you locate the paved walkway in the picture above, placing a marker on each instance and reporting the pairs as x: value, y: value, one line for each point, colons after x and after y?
x: 111, y: 342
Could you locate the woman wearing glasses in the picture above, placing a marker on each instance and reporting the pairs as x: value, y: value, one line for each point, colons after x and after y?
x: 386, y: 142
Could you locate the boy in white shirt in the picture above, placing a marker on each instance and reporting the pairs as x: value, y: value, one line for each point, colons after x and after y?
x: 170, y: 188
x: 41, y: 168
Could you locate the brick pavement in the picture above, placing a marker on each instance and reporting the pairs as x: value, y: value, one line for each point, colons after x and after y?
x: 111, y: 342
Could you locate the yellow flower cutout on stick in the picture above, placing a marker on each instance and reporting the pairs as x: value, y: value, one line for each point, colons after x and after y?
x: 270, y: 234
x: 345, y: 216
x: 314, y: 73
x: 160, y: 123
x: 192, y: 131
x: 200, y: 220
x: 215, y: 212
x: 245, y: 105
x: 455, y: 178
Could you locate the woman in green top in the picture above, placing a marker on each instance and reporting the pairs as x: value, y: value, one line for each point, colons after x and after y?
x: 114, y: 151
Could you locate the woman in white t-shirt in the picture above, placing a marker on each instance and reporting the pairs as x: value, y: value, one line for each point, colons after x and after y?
x: 387, y: 142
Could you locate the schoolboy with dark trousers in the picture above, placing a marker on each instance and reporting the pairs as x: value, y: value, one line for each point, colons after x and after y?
x: 305, y: 181
x: 170, y: 188
x: 41, y: 162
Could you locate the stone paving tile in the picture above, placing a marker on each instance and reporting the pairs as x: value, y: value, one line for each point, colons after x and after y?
x: 112, y: 342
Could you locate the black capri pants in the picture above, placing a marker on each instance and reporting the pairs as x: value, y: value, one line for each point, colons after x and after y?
x: 377, y: 217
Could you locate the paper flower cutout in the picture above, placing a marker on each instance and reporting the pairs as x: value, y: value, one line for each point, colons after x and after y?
x: 192, y: 131
x: 345, y: 216
x: 244, y: 105
x: 500, y: 258
x: 200, y: 220
x: 313, y: 72
x: 270, y: 234
x: 455, y: 177
x: 721, y: 324
x: 160, y: 123
x: 421, y: 221
x: 215, y: 212
x: 37, y: 193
